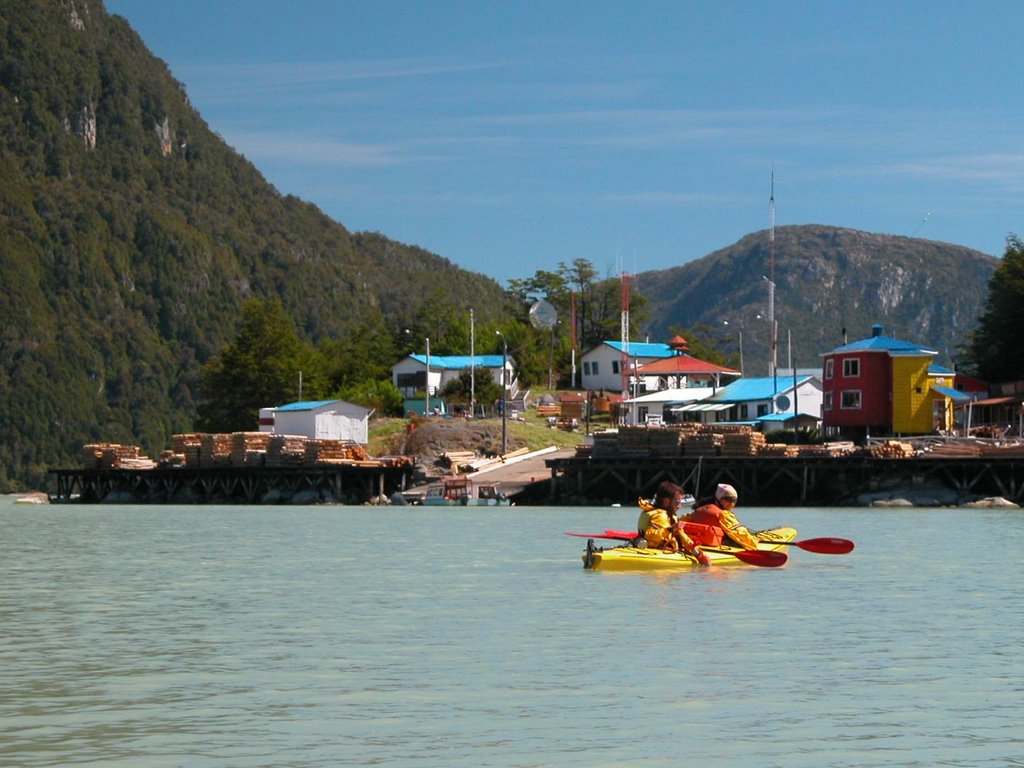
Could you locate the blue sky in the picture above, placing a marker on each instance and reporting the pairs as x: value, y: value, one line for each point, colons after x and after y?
x: 511, y: 136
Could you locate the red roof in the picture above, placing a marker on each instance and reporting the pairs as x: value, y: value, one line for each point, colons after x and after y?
x: 682, y: 364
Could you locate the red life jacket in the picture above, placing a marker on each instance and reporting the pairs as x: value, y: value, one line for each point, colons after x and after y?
x: 703, y: 527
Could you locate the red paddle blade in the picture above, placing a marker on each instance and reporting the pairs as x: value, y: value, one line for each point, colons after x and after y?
x: 766, y: 559
x: 826, y: 545
x: 605, y: 535
x: 613, y: 534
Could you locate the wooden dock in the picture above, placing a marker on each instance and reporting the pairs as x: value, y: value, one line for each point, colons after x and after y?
x: 780, y: 481
x: 351, y: 483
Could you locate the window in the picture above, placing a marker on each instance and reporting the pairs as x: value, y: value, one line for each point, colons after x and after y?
x: 827, y: 401
x: 851, y: 368
x: 615, y: 367
x: 593, y: 368
x: 762, y: 409
x: 828, y: 368
x: 586, y: 368
x: 744, y: 411
x: 850, y: 399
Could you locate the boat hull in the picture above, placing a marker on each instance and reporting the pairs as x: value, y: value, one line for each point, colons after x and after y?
x: 628, y: 558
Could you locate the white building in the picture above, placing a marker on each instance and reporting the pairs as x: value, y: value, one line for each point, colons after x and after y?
x: 656, y: 406
x: 319, y: 420
x: 602, y: 366
x: 750, y: 400
x: 411, y: 374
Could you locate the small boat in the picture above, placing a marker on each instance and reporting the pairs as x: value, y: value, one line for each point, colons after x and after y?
x: 627, y: 557
x: 462, y: 492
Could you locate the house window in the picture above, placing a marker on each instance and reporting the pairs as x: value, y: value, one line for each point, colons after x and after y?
x: 829, y: 365
x: 615, y: 367
x: 744, y: 410
x: 851, y: 368
x: 762, y: 409
x: 586, y: 369
x: 850, y: 399
x: 827, y: 401
x: 593, y: 368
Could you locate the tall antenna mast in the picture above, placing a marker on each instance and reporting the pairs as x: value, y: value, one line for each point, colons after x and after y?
x: 624, y: 332
x: 772, y: 328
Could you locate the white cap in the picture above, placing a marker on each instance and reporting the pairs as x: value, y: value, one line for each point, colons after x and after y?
x: 725, y: 491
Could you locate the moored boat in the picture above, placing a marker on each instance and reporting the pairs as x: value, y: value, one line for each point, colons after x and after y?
x: 627, y: 557
x: 462, y: 492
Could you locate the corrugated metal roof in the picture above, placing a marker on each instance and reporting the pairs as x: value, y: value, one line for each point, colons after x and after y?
x: 884, y: 344
x: 644, y: 348
x: 953, y: 394
x: 305, y: 405
x: 460, y: 362
x: 756, y: 388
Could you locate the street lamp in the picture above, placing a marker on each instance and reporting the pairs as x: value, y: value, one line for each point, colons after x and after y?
x: 504, y: 392
x: 426, y: 389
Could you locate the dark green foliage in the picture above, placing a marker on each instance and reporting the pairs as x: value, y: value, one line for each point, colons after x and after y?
x: 827, y: 279
x: 483, y: 388
x: 261, y: 367
x: 126, y: 263
x: 995, y: 351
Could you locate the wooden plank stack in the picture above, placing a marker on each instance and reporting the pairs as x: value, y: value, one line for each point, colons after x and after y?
x: 704, y: 444
x: 249, y: 449
x: 779, y: 450
x: 334, y: 452
x: 605, y: 445
x: 893, y: 449
x: 286, y: 451
x: 743, y: 443
x: 188, y: 445
x: 114, y: 456
x: 665, y: 441
x: 215, y: 450
x: 633, y: 441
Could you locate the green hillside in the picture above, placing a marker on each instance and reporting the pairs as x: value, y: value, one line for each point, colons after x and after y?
x: 131, y: 235
x: 827, y: 279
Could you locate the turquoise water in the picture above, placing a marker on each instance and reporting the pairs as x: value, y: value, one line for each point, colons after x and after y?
x: 335, y: 636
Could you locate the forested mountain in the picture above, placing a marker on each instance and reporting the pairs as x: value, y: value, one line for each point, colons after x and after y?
x: 131, y: 235
x: 827, y: 279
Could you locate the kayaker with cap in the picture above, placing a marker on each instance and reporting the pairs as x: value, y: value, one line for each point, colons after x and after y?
x: 718, y: 513
x: 659, y: 525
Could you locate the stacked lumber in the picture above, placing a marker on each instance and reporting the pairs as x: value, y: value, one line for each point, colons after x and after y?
x: 705, y: 444
x: 778, y: 450
x: 605, y: 445
x: 188, y: 444
x: 169, y: 458
x: 249, y: 449
x: 114, y: 456
x: 215, y: 450
x: 952, y: 451
x: 334, y: 452
x: 459, y: 461
x: 743, y: 443
x: 633, y: 441
x: 826, y: 451
x: 892, y: 449
x: 1009, y: 451
x: 665, y: 442
x: 286, y: 451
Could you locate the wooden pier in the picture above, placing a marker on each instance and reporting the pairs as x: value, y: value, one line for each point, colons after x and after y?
x: 341, y: 484
x: 780, y: 481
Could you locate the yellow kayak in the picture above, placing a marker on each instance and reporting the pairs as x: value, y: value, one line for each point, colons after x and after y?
x: 629, y: 558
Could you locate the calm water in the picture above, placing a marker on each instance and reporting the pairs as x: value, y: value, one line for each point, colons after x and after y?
x: 331, y: 636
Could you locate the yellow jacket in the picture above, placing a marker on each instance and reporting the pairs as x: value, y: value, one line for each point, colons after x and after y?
x: 656, y: 525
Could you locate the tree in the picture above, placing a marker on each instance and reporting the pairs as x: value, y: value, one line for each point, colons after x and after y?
x: 260, y: 368
x: 995, y: 352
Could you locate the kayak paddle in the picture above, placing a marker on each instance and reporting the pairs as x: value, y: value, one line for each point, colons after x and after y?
x: 826, y: 545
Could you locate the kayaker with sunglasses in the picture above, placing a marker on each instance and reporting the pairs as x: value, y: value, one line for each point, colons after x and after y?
x: 718, y: 513
x: 660, y: 527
